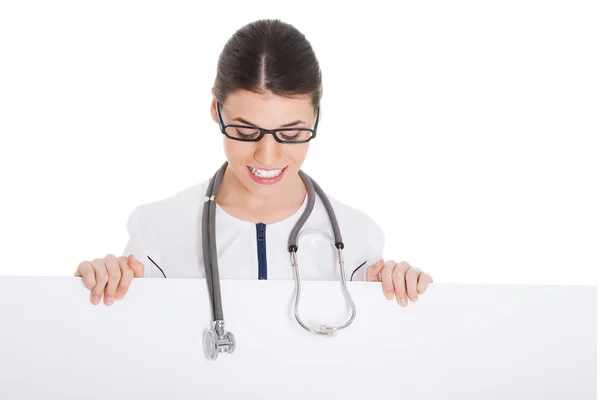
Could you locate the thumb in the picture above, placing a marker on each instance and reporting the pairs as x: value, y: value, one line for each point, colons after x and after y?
x: 136, y: 266
x: 374, y: 270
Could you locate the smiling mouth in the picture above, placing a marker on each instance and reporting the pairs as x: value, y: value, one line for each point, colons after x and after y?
x: 266, y: 173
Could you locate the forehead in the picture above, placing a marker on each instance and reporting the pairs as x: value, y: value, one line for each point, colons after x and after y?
x: 267, y: 108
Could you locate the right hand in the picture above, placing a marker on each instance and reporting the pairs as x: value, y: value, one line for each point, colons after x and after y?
x: 109, y: 277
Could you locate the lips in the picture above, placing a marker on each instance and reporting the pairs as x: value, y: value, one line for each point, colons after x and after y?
x: 266, y: 176
x: 266, y: 173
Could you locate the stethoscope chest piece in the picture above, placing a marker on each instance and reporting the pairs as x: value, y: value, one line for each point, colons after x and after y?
x: 216, y: 341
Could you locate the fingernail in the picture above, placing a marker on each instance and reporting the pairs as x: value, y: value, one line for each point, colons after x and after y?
x: 403, y: 301
x: 96, y: 299
x: 389, y: 295
x: 120, y: 296
x: 109, y: 300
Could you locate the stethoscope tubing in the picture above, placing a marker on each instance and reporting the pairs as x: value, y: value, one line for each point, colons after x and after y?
x: 210, y: 254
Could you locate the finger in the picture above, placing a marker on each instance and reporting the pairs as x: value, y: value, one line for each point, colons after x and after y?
x: 127, y: 274
x: 400, y: 282
x: 86, y: 271
x: 374, y: 270
x: 412, y: 277
x: 138, y: 267
x: 101, y: 280
x: 387, y: 283
x: 424, y: 281
x: 114, y: 277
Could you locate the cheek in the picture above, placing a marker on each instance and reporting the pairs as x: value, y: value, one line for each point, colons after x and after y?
x: 298, y: 153
x: 236, y: 151
x: 239, y: 155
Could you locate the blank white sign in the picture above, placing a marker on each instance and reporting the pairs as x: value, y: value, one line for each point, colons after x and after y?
x: 456, y: 342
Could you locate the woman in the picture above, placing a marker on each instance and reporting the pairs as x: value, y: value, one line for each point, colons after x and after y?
x: 268, y: 77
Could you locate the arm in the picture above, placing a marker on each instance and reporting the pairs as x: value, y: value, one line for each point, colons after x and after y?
x: 135, y: 244
x: 375, y: 245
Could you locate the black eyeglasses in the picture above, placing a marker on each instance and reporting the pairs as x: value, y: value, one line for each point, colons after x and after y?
x: 246, y: 133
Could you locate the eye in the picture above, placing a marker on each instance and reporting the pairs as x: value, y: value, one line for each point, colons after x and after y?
x: 294, y: 135
x: 290, y: 138
x: 243, y: 133
x: 246, y: 135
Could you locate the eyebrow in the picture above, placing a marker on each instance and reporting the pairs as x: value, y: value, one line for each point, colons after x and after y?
x: 243, y: 121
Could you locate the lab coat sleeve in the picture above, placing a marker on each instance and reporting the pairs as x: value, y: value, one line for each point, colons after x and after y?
x: 135, y: 243
x: 374, y: 250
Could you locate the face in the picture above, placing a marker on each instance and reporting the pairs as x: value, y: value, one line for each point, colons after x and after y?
x: 265, y: 168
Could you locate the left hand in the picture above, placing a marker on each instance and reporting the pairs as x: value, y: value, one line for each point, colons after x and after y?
x: 399, y: 279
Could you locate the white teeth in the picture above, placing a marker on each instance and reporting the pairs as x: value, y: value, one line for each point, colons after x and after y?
x: 261, y: 173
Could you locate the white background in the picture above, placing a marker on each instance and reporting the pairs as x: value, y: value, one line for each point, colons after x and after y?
x: 468, y: 130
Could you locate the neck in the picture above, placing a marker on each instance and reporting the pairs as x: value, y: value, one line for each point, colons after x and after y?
x: 233, y: 193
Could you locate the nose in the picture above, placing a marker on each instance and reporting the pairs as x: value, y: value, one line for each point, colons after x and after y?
x: 268, y: 151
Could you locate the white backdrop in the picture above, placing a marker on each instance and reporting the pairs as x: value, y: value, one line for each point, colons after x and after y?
x: 468, y: 130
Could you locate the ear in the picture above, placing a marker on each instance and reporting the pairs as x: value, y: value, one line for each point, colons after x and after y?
x: 213, y: 106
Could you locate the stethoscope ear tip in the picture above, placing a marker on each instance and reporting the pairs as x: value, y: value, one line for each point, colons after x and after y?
x: 324, y: 329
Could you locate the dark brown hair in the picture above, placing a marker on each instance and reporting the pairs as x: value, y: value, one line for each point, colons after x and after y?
x: 269, y: 55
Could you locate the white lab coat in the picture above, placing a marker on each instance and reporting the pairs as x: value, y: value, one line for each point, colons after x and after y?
x: 168, y: 232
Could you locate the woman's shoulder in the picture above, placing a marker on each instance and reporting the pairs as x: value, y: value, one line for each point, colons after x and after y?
x: 364, y: 239
x: 353, y: 218
x: 165, y: 232
x: 182, y: 205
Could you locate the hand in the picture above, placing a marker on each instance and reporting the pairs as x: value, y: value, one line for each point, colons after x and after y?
x: 109, y: 276
x: 399, y: 279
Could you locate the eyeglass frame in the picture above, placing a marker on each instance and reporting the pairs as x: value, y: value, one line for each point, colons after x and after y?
x: 264, y: 132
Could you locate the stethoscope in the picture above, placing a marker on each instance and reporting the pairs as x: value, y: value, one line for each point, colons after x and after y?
x: 216, y: 339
